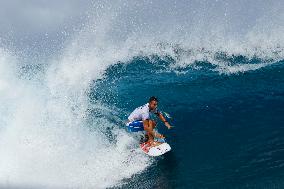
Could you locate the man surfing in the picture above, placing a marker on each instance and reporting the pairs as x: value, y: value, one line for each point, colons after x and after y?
x: 139, y: 120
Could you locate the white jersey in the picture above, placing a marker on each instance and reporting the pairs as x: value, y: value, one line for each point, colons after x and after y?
x: 141, y: 113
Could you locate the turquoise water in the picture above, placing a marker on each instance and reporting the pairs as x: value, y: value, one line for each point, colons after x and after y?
x: 229, y: 129
x: 68, y: 85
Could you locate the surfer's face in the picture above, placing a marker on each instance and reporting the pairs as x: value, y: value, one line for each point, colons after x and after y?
x: 153, y: 104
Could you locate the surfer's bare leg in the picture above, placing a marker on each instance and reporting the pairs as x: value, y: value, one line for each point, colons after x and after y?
x: 149, y: 126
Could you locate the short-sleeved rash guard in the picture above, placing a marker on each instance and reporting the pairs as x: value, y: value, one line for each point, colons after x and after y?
x: 141, y: 113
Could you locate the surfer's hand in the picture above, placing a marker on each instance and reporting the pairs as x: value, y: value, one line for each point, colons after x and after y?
x: 168, y: 125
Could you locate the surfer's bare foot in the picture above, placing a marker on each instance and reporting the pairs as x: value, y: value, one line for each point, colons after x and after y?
x: 160, y: 136
x: 154, y: 143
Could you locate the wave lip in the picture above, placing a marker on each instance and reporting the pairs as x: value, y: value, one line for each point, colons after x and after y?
x: 45, y: 138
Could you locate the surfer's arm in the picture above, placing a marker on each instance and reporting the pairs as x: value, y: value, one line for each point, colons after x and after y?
x: 163, y: 119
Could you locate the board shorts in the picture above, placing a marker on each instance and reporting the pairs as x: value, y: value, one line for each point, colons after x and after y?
x: 135, y: 126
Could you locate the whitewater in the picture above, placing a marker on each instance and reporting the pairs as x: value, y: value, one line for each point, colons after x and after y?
x: 62, y: 119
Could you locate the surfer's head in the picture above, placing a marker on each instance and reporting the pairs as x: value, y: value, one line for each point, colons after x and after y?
x: 153, y: 102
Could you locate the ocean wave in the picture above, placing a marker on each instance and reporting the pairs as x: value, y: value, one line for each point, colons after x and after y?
x: 52, y: 135
x: 46, y: 138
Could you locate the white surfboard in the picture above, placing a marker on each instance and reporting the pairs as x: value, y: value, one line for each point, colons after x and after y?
x: 158, y: 150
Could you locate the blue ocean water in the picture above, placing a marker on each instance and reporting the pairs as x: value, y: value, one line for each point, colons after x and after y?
x: 67, y: 86
x: 229, y: 128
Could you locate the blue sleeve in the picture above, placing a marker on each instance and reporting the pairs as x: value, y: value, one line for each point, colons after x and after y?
x: 156, y: 111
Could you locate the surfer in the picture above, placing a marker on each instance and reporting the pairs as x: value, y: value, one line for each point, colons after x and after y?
x: 139, y: 120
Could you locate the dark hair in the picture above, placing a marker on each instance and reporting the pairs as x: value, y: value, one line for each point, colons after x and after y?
x: 152, y: 98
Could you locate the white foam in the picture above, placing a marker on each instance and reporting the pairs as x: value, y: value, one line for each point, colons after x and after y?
x: 44, y: 136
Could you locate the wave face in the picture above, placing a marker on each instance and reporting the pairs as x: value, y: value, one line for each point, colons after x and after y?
x: 229, y: 127
x: 217, y: 68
